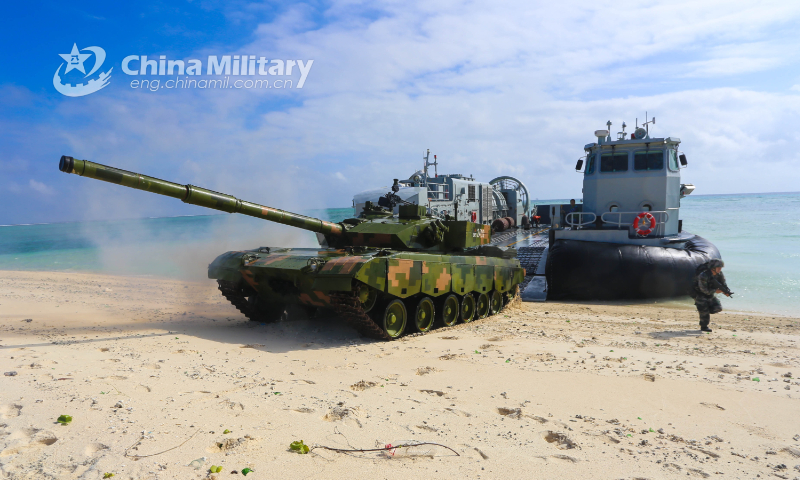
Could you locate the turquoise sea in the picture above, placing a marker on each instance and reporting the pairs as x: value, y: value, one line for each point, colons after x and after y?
x: 758, y: 235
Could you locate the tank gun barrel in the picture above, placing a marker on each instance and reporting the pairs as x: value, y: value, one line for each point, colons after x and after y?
x: 195, y: 195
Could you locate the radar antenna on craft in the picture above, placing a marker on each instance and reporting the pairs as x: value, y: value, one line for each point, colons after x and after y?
x: 428, y: 163
x: 621, y: 135
x: 640, y: 133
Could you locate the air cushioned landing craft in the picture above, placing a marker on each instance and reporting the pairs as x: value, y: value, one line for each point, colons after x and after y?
x: 625, y: 241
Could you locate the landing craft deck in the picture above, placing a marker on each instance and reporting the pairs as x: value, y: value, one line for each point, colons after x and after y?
x: 532, y: 249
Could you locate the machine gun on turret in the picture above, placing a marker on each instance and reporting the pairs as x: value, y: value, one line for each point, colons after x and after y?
x: 392, y: 199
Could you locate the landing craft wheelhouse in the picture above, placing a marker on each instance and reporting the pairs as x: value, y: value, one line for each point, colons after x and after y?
x: 622, y: 179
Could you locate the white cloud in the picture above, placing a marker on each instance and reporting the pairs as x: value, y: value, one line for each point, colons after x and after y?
x: 505, y: 88
x: 41, y: 188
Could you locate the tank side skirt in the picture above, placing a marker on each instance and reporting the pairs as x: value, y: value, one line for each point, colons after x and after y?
x: 435, y: 278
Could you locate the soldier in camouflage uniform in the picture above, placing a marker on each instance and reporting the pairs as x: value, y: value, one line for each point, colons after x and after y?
x: 705, y: 288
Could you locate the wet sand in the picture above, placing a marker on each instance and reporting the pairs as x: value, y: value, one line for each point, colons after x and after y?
x: 546, y: 390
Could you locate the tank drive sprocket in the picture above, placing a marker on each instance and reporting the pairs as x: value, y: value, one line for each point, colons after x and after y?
x: 234, y: 294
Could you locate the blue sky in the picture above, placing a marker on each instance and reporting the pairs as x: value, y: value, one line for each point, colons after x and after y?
x: 509, y: 89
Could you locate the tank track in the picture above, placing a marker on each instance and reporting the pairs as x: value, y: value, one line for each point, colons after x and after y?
x: 348, y: 307
x: 234, y: 295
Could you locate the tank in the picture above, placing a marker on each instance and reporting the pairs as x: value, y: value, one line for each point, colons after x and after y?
x: 383, y: 274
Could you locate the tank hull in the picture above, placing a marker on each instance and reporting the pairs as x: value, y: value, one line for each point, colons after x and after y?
x: 314, y: 278
x: 580, y: 270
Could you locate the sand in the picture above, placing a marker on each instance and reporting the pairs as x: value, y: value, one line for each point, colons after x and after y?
x: 161, y: 369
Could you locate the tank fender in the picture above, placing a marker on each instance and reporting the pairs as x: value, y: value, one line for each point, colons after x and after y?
x: 373, y: 273
x: 337, y: 274
x: 227, y: 266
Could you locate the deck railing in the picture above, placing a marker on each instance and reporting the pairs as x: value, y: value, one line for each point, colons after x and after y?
x: 438, y: 191
x: 625, y: 220
x: 576, y: 219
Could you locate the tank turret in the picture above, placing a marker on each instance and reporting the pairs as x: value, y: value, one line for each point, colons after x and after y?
x: 413, y: 229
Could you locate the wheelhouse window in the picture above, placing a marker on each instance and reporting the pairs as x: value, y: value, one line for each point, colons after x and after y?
x: 673, y: 160
x: 648, y: 160
x: 590, y: 164
x: 614, y: 162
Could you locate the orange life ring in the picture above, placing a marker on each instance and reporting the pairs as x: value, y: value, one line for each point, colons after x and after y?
x: 650, y: 219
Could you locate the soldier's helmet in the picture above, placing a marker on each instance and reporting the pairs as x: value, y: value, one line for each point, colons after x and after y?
x: 716, y: 263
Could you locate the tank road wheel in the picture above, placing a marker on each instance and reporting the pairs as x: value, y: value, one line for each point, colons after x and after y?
x: 482, y: 306
x: 424, y: 314
x: 394, y: 318
x: 467, y: 308
x: 368, y: 297
x: 495, y: 302
x: 449, y: 309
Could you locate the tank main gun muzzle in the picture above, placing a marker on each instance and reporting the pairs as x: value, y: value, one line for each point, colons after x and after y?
x: 195, y: 195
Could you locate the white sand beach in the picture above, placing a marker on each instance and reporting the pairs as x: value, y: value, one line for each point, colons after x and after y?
x: 153, y: 373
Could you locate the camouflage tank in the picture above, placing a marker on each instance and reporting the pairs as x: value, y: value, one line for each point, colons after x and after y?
x: 378, y: 272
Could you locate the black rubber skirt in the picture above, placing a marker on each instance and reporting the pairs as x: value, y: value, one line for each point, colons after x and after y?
x: 578, y: 270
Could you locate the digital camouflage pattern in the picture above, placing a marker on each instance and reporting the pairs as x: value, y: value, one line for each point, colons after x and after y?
x: 706, y: 301
x: 286, y: 272
x: 374, y: 258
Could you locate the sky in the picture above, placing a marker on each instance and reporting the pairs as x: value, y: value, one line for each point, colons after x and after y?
x: 491, y: 88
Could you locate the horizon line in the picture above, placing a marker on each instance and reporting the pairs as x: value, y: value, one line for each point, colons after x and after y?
x: 328, y: 208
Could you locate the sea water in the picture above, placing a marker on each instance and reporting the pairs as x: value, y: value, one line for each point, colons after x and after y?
x: 757, y: 234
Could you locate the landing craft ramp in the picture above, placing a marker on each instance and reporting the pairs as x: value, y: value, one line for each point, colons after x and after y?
x: 531, y: 248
